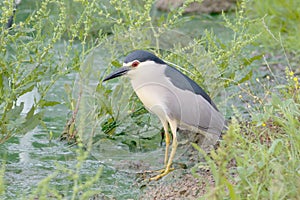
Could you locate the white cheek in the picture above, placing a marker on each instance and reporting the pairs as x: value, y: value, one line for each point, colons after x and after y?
x: 135, y: 72
x: 132, y: 73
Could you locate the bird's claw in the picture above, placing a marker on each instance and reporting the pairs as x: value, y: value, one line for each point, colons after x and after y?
x: 162, y: 172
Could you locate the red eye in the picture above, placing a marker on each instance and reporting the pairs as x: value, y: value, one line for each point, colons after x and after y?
x: 135, y: 63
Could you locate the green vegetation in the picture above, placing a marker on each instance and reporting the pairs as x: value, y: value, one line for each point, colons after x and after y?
x: 28, y: 62
x: 279, y: 23
x: 255, y: 86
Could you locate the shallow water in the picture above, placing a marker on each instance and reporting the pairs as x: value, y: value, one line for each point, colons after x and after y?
x: 31, y: 158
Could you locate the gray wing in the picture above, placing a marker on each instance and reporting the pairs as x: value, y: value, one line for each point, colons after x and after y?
x: 190, y: 105
x: 183, y: 82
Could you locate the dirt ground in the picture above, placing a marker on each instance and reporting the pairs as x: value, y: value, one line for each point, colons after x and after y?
x: 187, y: 181
x: 179, y: 184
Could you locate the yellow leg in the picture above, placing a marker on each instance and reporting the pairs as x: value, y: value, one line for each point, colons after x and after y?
x: 168, y: 168
x: 167, y: 139
x: 167, y: 135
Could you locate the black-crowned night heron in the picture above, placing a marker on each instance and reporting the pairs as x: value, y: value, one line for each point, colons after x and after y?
x: 176, y: 99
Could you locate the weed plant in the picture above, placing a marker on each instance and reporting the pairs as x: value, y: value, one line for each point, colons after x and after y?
x: 258, y: 157
x: 279, y: 22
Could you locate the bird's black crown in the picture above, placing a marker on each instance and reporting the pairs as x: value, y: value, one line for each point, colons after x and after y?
x: 142, y: 56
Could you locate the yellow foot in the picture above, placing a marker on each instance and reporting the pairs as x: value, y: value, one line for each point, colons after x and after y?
x: 162, y: 174
x: 160, y: 171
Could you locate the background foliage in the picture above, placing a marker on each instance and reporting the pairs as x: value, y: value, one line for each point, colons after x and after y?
x: 256, y: 90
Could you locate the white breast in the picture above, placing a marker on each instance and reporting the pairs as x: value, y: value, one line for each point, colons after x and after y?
x: 151, y: 87
x: 153, y: 97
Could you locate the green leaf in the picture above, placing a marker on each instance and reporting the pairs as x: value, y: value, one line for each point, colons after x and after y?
x: 248, y: 61
x: 44, y: 103
x: 1, y: 85
x: 230, y: 188
x: 25, y: 88
x: 30, y: 123
x: 116, y: 63
x: 30, y: 113
x: 15, y: 112
x: 276, y: 100
x: 276, y: 147
x: 246, y: 77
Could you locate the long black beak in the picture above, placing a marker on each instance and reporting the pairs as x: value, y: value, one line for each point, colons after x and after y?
x: 119, y: 72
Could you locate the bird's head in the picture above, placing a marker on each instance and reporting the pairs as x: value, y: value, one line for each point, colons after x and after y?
x: 134, y: 64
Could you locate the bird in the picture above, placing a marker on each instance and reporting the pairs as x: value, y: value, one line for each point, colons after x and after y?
x: 177, y: 100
